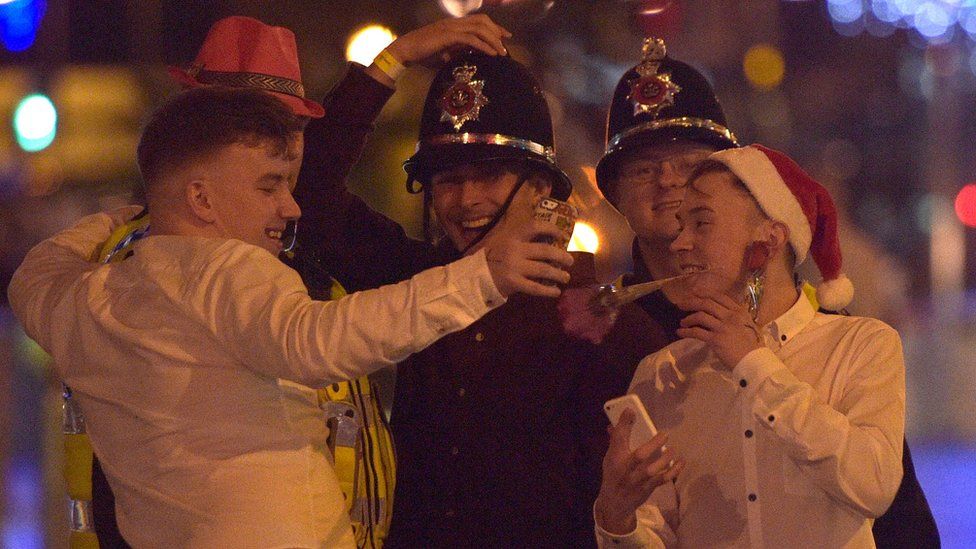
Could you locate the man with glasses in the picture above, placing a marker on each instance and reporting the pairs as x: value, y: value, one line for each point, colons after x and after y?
x: 664, y: 120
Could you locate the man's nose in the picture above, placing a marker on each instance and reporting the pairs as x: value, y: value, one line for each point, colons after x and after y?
x: 671, y: 177
x: 289, y: 208
x: 682, y: 242
x: 471, y: 193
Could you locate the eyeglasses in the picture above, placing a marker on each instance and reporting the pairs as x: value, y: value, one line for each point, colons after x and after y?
x: 649, y: 170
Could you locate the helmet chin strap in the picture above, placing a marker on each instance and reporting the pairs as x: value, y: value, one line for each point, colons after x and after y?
x: 501, y: 212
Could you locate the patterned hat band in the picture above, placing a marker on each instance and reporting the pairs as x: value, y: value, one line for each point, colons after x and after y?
x: 681, y: 122
x: 256, y: 80
x: 491, y: 139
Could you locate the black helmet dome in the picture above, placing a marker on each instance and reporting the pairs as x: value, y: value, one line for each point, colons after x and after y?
x: 483, y: 107
x: 660, y: 100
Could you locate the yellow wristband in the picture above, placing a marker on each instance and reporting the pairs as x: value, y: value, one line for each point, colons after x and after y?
x: 389, y: 65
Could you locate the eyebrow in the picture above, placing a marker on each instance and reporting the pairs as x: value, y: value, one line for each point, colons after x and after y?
x: 273, y: 177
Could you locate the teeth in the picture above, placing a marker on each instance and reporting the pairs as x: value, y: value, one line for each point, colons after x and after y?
x: 274, y: 234
x: 475, y: 223
x: 692, y: 268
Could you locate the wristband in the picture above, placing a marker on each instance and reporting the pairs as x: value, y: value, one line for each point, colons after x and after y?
x: 389, y: 65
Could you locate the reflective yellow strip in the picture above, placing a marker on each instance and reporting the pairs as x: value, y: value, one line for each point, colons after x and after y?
x: 811, y: 293
x: 82, y: 540
x: 78, y: 466
x: 345, y: 466
x: 117, y: 236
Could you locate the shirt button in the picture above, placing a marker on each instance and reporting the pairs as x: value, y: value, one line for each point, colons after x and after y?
x: 743, y: 383
x: 748, y: 433
x: 752, y: 497
x: 771, y: 418
x: 782, y: 337
x: 479, y: 336
x: 454, y: 451
x: 461, y: 392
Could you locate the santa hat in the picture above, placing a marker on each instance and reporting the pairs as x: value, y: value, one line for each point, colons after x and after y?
x: 787, y: 194
x: 241, y: 52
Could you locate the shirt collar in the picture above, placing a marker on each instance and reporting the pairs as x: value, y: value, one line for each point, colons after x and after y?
x: 792, y: 322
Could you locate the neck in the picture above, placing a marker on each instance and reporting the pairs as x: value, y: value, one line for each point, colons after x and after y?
x: 779, y: 295
x: 168, y: 222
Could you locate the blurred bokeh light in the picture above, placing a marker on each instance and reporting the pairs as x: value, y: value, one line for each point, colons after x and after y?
x: 459, y: 8
x: 584, y: 238
x: 366, y: 43
x: 35, y: 122
x: 764, y: 66
x: 966, y: 205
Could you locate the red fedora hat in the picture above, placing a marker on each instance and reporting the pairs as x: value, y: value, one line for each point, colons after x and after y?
x: 242, y: 52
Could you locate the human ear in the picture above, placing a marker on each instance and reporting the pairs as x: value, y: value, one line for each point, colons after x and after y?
x: 758, y: 253
x: 772, y: 238
x: 778, y: 236
x: 199, y: 199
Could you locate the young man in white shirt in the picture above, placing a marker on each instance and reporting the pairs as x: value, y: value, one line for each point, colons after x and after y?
x: 174, y: 354
x: 789, y: 421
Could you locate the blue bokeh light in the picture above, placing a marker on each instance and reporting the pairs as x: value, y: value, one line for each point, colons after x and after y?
x: 19, y: 21
x: 933, y: 21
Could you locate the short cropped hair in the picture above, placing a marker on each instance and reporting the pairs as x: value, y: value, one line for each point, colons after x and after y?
x: 199, y: 122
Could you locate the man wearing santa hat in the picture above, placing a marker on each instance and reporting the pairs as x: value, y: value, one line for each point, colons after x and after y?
x: 789, y: 421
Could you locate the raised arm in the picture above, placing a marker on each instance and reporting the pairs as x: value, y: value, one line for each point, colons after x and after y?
x: 54, y: 267
x: 359, y: 245
x: 261, y: 312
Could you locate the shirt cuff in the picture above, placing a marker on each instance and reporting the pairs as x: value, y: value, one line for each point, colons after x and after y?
x: 456, y: 295
x: 755, y: 368
x: 631, y: 539
x: 767, y: 382
x: 471, y: 276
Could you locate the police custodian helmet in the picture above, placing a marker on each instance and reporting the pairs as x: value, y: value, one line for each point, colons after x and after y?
x: 659, y: 101
x: 480, y: 108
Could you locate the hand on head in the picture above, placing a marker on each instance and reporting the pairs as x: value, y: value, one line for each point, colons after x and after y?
x: 629, y: 477
x: 517, y: 263
x: 435, y: 42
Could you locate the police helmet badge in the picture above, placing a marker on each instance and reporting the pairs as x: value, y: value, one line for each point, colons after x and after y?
x: 652, y: 91
x: 462, y: 101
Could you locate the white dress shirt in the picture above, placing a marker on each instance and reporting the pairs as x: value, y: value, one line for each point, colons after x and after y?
x: 174, y: 356
x: 798, y: 446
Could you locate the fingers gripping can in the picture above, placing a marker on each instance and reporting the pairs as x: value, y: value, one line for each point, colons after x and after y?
x: 561, y: 214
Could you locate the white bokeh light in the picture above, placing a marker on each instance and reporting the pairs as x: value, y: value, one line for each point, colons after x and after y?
x: 460, y: 8
x: 35, y: 122
x: 584, y: 239
x: 366, y: 43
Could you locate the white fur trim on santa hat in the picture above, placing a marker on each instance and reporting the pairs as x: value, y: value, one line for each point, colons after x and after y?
x: 765, y: 183
x: 834, y: 295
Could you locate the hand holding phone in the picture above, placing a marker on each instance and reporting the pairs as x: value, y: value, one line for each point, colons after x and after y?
x: 643, y: 429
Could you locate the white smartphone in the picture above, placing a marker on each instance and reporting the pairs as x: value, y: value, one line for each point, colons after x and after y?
x: 643, y: 430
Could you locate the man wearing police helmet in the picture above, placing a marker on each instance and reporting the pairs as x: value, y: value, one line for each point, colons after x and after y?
x: 500, y: 431
x: 664, y: 119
